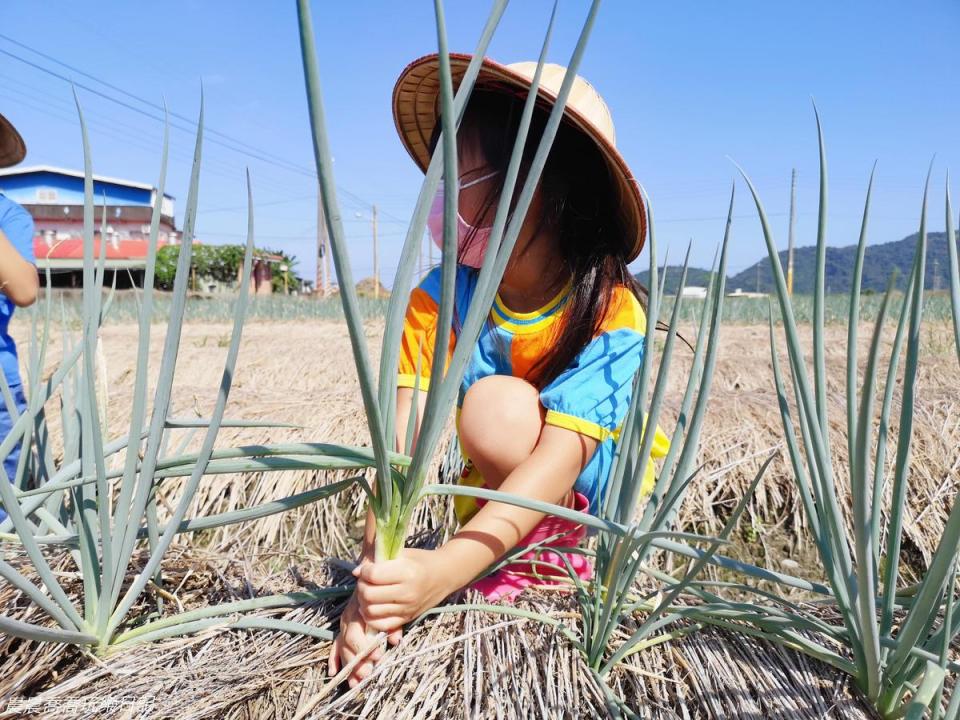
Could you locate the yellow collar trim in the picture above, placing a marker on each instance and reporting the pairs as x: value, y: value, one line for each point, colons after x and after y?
x: 516, y: 328
x: 507, y: 312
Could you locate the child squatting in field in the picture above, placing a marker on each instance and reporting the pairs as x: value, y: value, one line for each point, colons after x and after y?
x: 549, y: 383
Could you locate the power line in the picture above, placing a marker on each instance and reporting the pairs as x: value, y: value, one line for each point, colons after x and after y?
x: 141, y: 111
x: 255, y: 152
x: 56, y: 107
x: 301, y: 198
x: 132, y: 96
x: 157, y: 69
x: 133, y: 136
x: 717, y: 218
x: 233, y: 208
x: 110, y: 126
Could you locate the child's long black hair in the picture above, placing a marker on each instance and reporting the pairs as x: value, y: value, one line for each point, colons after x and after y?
x: 577, y: 202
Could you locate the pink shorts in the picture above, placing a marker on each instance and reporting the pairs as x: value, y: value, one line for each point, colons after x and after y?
x: 540, y: 566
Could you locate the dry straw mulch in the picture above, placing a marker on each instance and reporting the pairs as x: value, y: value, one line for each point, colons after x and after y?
x: 743, y: 426
x: 303, y: 374
x: 297, y: 374
x: 460, y: 665
x: 472, y: 664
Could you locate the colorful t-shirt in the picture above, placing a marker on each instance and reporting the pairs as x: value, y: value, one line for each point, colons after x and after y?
x: 17, y: 225
x: 590, y: 397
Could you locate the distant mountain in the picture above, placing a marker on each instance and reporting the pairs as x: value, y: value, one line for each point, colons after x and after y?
x: 879, y: 261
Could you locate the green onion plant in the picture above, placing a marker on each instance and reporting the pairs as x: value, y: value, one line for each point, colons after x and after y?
x: 99, y: 500
x: 893, y: 641
x: 624, y: 543
x: 619, y: 559
x: 397, y: 490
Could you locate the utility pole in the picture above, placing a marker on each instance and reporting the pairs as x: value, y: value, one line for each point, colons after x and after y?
x: 936, y: 274
x: 793, y: 217
x: 758, y: 277
x: 376, y: 260
x: 323, y: 282
x: 420, y: 259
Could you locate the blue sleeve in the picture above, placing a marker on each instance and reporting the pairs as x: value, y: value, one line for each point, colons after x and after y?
x: 593, y: 394
x: 17, y: 225
x: 464, y: 286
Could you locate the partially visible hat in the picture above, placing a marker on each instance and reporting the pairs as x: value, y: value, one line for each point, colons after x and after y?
x: 416, y: 108
x: 12, y: 148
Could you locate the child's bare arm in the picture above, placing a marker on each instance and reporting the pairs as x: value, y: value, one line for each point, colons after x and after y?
x: 18, y: 277
x: 394, y: 592
x: 547, y: 474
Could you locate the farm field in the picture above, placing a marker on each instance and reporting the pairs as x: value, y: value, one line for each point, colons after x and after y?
x: 236, y: 487
x: 214, y: 309
x: 302, y: 374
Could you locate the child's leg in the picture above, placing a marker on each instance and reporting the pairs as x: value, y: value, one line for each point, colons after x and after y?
x: 500, y: 423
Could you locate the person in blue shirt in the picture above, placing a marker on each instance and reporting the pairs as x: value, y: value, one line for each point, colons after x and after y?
x: 19, y: 285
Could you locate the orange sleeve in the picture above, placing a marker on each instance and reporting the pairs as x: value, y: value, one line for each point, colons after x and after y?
x: 624, y: 311
x: 419, y: 336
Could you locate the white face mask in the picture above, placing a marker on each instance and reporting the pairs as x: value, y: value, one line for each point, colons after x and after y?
x: 478, y: 238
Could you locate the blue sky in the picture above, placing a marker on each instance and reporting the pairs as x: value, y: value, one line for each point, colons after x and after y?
x: 690, y: 85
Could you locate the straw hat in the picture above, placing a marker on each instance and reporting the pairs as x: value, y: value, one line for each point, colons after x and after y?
x: 416, y: 107
x: 12, y: 148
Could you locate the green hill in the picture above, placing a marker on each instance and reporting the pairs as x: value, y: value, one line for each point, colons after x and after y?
x: 879, y: 261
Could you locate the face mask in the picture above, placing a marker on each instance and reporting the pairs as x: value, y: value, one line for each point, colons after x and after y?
x: 471, y: 242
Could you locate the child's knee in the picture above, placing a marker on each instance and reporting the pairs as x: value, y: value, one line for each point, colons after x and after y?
x: 500, y: 415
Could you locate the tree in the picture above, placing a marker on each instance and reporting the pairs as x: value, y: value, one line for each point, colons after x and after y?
x: 218, y: 262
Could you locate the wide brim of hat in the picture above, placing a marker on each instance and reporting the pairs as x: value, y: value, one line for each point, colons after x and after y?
x: 416, y: 108
x: 12, y: 147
